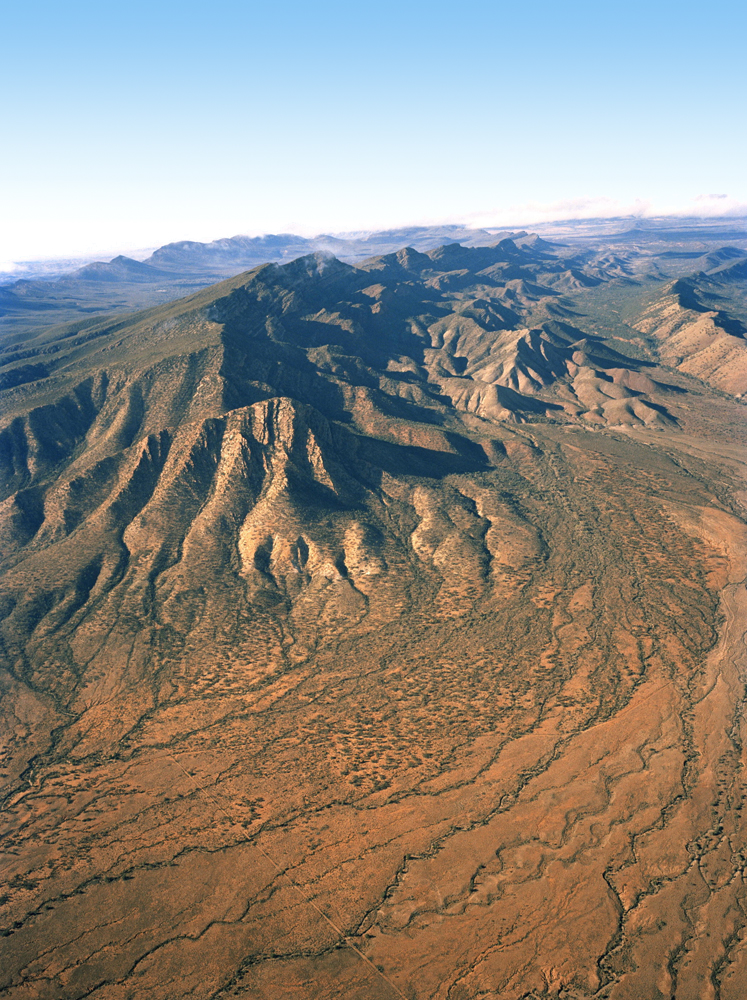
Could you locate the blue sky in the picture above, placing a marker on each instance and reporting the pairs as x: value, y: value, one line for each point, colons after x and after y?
x: 131, y: 125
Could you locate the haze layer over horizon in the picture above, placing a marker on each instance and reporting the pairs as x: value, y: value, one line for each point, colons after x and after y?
x: 148, y: 125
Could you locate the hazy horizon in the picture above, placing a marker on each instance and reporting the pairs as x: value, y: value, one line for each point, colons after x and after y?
x: 133, y: 128
x: 10, y: 265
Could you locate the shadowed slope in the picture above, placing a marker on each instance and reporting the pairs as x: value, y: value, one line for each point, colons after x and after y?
x: 371, y: 632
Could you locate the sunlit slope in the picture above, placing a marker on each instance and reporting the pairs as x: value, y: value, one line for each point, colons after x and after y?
x: 373, y: 631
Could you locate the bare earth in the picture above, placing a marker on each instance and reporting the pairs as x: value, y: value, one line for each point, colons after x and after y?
x: 370, y: 635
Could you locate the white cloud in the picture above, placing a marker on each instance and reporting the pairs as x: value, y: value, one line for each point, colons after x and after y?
x: 702, y: 206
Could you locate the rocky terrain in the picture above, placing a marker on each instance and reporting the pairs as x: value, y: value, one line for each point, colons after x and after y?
x: 50, y: 293
x: 376, y: 630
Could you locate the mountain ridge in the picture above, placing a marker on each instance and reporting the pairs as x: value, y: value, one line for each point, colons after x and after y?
x: 406, y: 591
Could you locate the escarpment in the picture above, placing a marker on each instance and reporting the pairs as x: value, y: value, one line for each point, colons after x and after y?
x: 374, y: 631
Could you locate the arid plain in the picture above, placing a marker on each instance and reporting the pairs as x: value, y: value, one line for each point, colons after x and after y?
x: 376, y: 630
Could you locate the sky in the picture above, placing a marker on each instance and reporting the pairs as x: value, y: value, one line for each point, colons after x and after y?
x: 131, y: 125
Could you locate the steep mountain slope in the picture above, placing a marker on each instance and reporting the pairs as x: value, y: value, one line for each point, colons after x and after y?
x: 372, y: 631
x: 592, y: 249
x: 176, y: 269
x: 698, y: 326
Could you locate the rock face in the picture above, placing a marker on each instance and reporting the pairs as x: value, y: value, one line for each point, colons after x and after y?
x: 377, y: 631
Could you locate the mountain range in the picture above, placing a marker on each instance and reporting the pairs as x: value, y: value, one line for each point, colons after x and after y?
x: 46, y: 297
x: 175, y: 269
x: 373, y: 627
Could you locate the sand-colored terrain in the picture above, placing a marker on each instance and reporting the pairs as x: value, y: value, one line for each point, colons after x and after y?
x: 373, y: 632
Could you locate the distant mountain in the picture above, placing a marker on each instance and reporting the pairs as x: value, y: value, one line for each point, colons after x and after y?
x: 233, y: 251
x: 724, y: 255
x: 730, y: 271
x: 176, y: 269
x: 120, y: 269
x: 242, y: 252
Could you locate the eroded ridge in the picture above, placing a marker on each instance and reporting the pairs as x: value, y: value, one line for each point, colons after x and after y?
x: 320, y: 683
